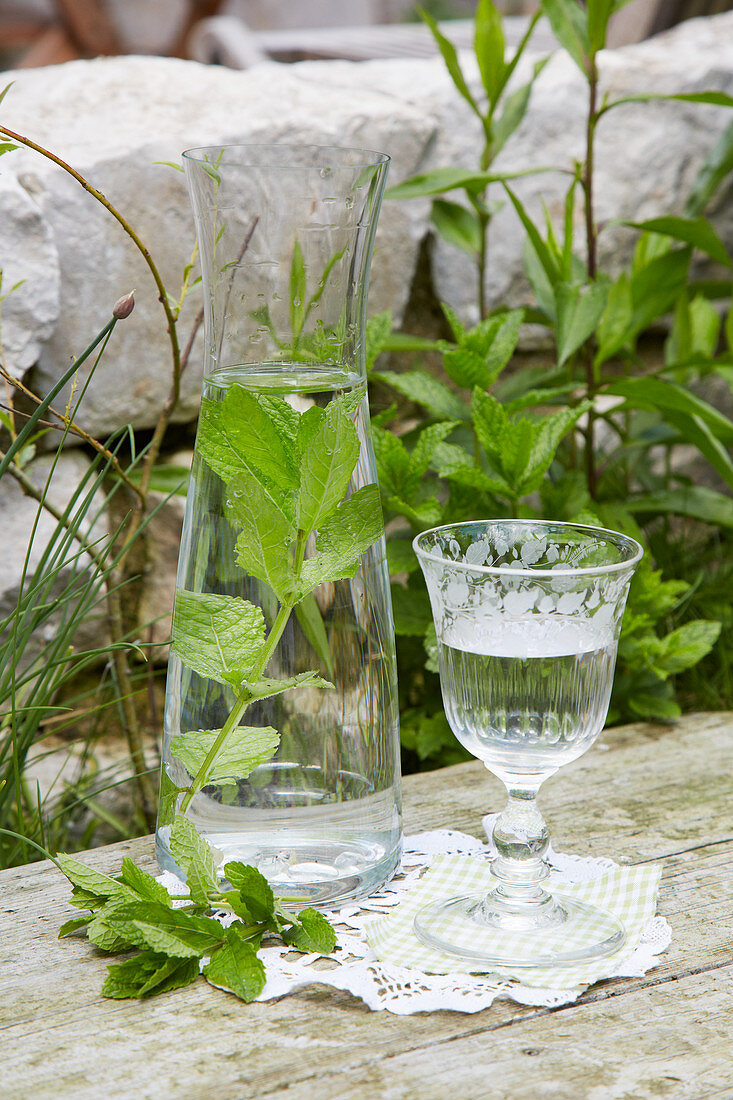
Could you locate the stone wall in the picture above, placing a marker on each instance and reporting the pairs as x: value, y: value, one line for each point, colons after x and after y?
x: 116, y: 121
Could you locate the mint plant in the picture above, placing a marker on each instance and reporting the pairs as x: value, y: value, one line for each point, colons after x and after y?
x: 578, y: 439
x: 170, y: 941
x: 286, y: 476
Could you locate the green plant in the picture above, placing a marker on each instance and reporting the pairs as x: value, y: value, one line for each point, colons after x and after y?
x: 591, y: 437
x: 170, y: 941
x: 98, y: 569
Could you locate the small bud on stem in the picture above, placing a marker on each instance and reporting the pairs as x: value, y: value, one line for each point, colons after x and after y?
x: 124, y: 306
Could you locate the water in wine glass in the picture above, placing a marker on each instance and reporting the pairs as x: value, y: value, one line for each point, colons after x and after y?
x: 526, y: 696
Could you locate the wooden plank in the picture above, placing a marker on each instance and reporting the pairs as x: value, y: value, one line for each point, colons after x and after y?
x: 642, y: 791
x: 328, y: 1029
x: 649, y: 1043
x: 61, y: 1038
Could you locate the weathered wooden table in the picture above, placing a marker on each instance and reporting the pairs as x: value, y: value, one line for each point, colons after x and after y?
x: 643, y: 793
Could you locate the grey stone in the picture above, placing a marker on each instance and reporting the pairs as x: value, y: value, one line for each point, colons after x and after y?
x: 114, y: 119
x: 27, y: 531
x: 647, y: 154
x: 29, y: 294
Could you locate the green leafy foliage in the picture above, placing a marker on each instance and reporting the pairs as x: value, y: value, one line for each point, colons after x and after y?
x: 173, y: 945
x: 590, y: 437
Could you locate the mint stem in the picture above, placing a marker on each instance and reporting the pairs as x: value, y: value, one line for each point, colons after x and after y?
x: 235, y: 715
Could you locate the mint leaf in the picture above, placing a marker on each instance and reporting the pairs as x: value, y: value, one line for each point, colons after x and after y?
x: 72, y: 925
x: 236, y: 968
x: 313, y: 933
x: 284, y: 417
x: 547, y: 436
x: 195, y: 858
x: 327, y: 464
x: 219, y: 637
x: 171, y: 974
x: 112, y: 936
x: 400, y: 556
x: 244, y: 749
x: 490, y: 421
x: 687, y: 645
x: 127, y: 978
x: 343, y: 538
x: 420, y: 387
x: 267, y: 533
x: 94, y: 884
x: 378, y: 331
x: 351, y: 400
x: 254, y: 889
x: 148, y: 972
x: 264, y: 689
x: 85, y: 899
x: 239, y: 434
x: 172, y: 931
x: 144, y: 885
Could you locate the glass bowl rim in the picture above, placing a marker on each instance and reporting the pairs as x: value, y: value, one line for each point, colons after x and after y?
x: 615, y: 537
x: 362, y: 158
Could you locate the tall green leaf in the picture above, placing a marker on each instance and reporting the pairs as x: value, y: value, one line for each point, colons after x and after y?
x: 513, y: 110
x: 695, y: 231
x: 579, y: 310
x: 458, y: 225
x: 297, y: 290
x: 440, y: 180
x: 542, y: 252
x: 668, y: 397
x: 489, y: 47
x: 695, y: 501
x: 599, y: 13
x: 718, y: 165
x: 450, y: 57
x: 569, y: 23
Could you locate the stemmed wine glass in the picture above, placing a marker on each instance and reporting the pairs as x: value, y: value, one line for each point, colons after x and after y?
x: 527, y: 616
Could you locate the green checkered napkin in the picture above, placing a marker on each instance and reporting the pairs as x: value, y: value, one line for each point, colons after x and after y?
x: 629, y: 893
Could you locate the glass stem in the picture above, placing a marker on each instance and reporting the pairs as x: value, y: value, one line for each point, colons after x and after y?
x: 521, y: 840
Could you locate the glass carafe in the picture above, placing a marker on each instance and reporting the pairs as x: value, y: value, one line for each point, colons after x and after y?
x: 281, y: 740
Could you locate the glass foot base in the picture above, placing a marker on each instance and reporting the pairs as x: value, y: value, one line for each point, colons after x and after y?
x: 477, y: 931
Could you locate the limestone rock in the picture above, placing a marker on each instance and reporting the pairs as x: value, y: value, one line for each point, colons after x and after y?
x: 647, y: 154
x: 29, y: 293
x: 114, y: 120
x: 20, y: 526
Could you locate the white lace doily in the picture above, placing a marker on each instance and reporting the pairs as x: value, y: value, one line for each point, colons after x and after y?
x: 354, y: 968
